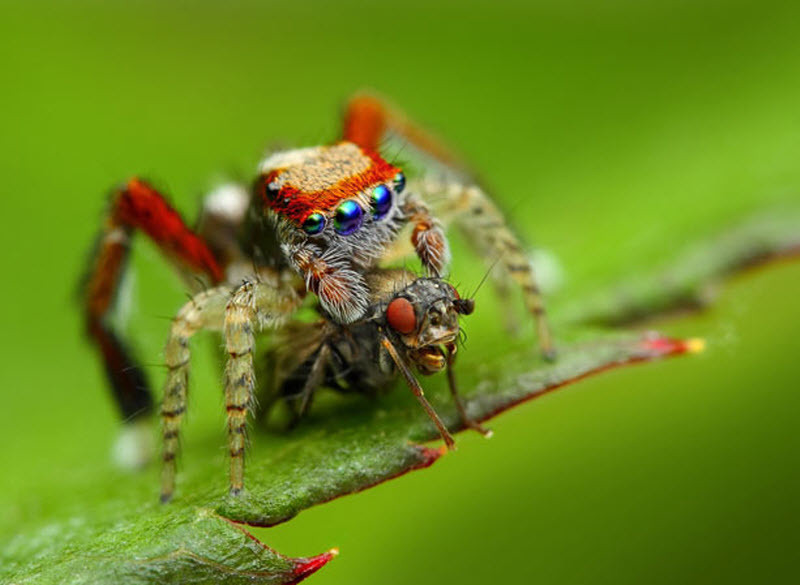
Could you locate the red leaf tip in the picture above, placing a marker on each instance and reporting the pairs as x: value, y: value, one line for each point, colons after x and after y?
x: 305, y: 567
x: 668, y: 346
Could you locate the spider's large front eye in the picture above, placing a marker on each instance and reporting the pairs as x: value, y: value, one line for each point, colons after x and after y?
x: 314, y: 224
x: 399, y: 182
x: 381, y: 201
x: 400, y: 315
x: 347, y: 218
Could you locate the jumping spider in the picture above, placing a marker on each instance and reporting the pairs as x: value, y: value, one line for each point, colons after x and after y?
x: 319, y: 219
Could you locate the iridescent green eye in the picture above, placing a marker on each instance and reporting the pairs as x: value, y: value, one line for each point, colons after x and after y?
x: 314, y: 224
x: 381, y: 201
x: 399, y: 182
x: 347, y: 218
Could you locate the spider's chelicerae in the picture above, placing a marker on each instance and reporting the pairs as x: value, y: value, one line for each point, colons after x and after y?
x: 317, y: 219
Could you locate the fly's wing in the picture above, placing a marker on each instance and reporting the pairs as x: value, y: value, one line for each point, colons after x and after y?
x: 286, y: 361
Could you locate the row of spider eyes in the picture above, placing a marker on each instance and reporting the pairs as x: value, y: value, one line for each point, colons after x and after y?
x: 348, y: 216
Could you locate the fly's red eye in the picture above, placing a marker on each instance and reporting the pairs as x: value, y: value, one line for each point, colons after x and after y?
x: 400, y: 315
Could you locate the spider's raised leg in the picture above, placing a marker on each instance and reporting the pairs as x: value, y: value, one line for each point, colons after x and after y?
x: 137, y: 206
x: 455, y: 196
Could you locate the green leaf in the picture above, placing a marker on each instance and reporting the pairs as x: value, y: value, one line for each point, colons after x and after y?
x: 149, y: 545
x: 691, y: 281
x: 348, y: 447
x: 347, y: 444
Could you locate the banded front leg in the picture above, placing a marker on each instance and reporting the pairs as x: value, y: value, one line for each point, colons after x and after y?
x: 206, y: 310
x: 239, y: 314
x: 252, y: 307
x: 240, y: 344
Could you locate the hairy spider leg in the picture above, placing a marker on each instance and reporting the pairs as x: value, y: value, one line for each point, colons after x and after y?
x: 486, y: 231
x: 368, y: 121
x: 238, y: 313
x: 206, y: 310
x: 136, y: 206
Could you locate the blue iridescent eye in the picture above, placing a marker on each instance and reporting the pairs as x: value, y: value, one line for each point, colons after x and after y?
x: 347, y: 218
x: 314, y: 224
x: 381, y: 201
x: 399, y: 182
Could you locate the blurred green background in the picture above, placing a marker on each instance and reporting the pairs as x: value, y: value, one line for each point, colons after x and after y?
x: 616, y: 132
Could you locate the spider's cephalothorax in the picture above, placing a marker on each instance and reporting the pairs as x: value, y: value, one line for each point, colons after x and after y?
x: 336, y: 209
x: 319, y: 219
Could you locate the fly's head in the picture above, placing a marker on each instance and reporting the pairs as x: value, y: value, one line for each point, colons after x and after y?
x: 339, y: 201
x: 424, y: 318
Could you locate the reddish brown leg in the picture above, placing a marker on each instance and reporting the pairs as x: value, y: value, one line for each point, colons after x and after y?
x: 137, y: 206
x: 368, y: 120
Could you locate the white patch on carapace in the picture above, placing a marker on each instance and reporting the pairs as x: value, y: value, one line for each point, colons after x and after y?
x: 228, y: 201
x: 317, y: 168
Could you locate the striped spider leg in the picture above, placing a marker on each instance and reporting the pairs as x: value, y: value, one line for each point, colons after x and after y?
x: 449, y: 192
x: 240, y: 313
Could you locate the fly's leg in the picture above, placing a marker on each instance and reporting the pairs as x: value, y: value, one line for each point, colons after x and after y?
x: 315, y: 379
x: 413, y: 384
x: 462, y: 411
x: 137, y: 206
x: 252, y: 306
x: 206, y: 310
